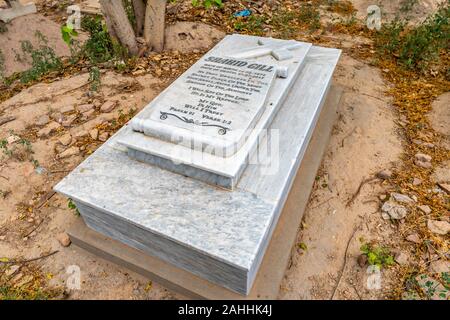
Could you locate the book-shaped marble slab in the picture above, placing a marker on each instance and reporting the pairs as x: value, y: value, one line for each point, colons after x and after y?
x: 211, y: 106
x: 207, y: 123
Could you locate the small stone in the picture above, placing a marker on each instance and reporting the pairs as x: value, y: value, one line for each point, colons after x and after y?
x: 66, y: 139
x: 68, y: 108
x: 12, y: 270
x: 88, y: 114
x: 401, y: 258
x: 428, y: 145
x: 2, y: 238
x: 59, y: 148
x: 69, y: 152
x: 414, y: 237
x: 51, y: 127
x: 108, y: 106
x: 85, y: 107
x: 80, y: 134
x: 384, y: 174
x: 94, y: 133
x: 12, y: 139
x: 423, y: 157
x: 425, y: 209
x: 416, y: 181
x: 42, y: 120
x: 57, y: 116
x: 445, y: 187
x: 362, y: 260
x: 103, y: 136
x: 439, y: 266
x: 382, y: 197
x: 401, y: 198
x: 423, y: 164
x: 68, y: 121
x: 438, y: 227
x: 392, y: 210
x: 63, y: 239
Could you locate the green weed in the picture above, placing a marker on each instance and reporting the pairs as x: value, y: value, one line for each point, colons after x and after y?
x: 94, y: 78
x: 71, y: 205
x: 100, y: 47
x: 207, y: 3
x: 252, y: 24
x: 287, y: 23
x: 407, y: 5
x: 416, y: 47
x: 68, y: 34
x: 376, y: 255
x: 128, y: 5
x: 43, y: 59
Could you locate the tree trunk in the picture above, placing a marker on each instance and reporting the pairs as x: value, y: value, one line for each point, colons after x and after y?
x: 155, y: 15
x: 116, y: 16
x: 139, y: 14
x: 110, y: 27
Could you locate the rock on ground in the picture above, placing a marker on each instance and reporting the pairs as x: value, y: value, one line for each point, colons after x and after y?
x: 414, y: 237
x: 423, y: 157
x: 439, y: 266
x: 65, y: 139
x: 72, y: 151
x: 108, y: 106
x: 438, y: 227
x: 445, y: 187
x: 94, y: 133
x: 425, y: 209
x: 64, y: 239
x: 401, y: 258
x: 401, y: 198
x: 51, y: 127
x: 393, y: 210
x: 384, y: 174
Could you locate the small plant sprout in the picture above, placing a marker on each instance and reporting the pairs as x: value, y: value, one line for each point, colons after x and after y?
x: 71, y: 205
x: 377, y: 255
x: 207, y: 3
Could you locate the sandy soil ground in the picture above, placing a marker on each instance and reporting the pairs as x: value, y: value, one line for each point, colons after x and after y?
x: 54, y: 118
x: 17, y: 32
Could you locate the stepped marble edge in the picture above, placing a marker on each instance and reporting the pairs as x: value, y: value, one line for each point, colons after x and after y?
x: 216, y: 234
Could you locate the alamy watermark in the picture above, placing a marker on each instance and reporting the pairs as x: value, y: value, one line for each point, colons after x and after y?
x: 73, y: 281
x: 74, y: 18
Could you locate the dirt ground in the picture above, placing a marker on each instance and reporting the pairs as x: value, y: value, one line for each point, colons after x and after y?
x: 64, y: 124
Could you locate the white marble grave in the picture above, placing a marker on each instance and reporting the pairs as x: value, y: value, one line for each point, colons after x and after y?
x: 217, y: 234
x: 209, y: 121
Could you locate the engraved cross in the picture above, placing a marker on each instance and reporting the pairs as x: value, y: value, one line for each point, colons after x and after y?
x: 279, y: 50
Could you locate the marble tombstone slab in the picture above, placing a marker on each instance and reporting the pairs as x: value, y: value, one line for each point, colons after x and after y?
x: 208, y: 122
x: 126, y: 191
